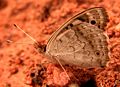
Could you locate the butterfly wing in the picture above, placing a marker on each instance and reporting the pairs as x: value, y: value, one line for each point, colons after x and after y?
x: 80, y: 41
x: 96, y: 16
x: 83, y: 45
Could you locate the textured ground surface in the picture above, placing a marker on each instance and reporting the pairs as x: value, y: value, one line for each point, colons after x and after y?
x: 20, y: 64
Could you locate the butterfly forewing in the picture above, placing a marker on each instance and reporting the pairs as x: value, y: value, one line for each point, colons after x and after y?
x: 97, y: 14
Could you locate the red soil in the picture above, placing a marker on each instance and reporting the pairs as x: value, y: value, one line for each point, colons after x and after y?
x: 22, y: 66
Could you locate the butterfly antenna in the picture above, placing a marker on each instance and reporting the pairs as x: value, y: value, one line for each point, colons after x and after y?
x: 10, y: 41
x: 25, y: 33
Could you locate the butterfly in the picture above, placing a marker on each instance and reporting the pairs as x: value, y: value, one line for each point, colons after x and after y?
x: 80, y: 41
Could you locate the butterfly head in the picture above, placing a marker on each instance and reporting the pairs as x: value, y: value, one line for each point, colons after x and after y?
x: 40, y: 47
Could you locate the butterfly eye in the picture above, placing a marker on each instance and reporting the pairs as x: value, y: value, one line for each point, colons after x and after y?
x: 41, y: 48
x: 93, y: 22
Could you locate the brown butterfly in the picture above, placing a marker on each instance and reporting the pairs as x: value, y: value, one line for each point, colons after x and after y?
x: 80, y: 41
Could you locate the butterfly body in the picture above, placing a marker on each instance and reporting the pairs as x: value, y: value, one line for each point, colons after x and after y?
x: 81, y: 40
